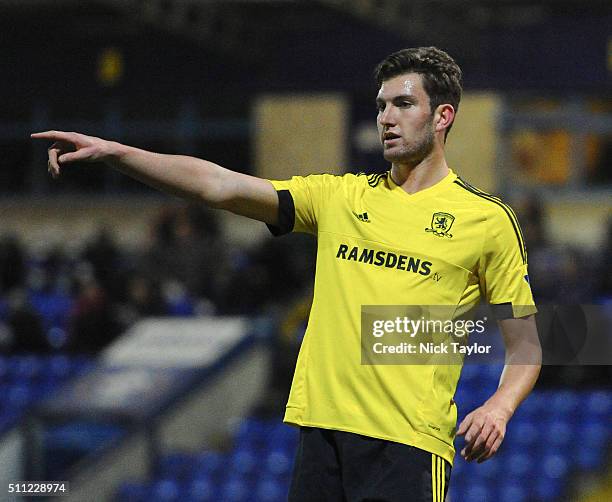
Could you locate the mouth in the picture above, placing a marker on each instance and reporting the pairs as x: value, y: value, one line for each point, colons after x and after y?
x: 390, y: 137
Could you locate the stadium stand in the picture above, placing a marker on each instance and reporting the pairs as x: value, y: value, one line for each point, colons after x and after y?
x: 26, y: 379
x: 532, y: 466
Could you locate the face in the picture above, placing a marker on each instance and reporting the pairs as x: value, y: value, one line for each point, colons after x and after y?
x: 405, y: 121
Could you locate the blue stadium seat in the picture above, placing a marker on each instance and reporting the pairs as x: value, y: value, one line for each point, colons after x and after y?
x: 175, y: 465
x: 251, y: 432
x: 57, y: 337
x: 283, y: 435
x: 243, y: 461
x: 491, y: 468
x: 26, y: 368
x: 81, y: 365
x: 132, y: 492
x: 594, y: 432
x: 202, y: 489
x: 550, y: 480
x: 565, y: 403
x: 589, y: 459
x: 597, y: 404
x: 166, y: 490
x: 489, y: 377
x: 4, y: 388
x: 548, y: 489
x: 58, y: 366
x: 9, y: 418
x: 46, y: 388
x: 536, y: 405
x: 469, y: 373
x: 458, y: 467
x: 180, y: 307
x: 555, y: 466
x: 560, y: 433
x: 519, y: 465
x: 279, y: 462
x: 468, y: 467
x: 271, y: 490
x: 521, y: 434
x: 512, y: 491
x: 81, y: 436
x: 208, y: 464
x: 19, y: 396
x: 53, y: 307
x: 235, y: 489
x: 477, y: 491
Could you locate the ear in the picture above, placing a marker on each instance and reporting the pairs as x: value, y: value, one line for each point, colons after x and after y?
x: 444, y: 116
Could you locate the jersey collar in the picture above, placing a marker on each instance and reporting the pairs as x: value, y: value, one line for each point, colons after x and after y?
x: 427, y: 192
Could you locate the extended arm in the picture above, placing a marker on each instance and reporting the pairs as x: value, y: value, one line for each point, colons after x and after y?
x: 187, y: 177
x: 485, y: 427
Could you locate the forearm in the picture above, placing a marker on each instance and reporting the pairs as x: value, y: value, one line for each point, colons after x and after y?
x: 179, y: 175
x: 523, y: 362
x: 515, y: 384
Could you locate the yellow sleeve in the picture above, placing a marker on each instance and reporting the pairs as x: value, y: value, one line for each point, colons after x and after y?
x: 504, y: 279
x: 301, y: 200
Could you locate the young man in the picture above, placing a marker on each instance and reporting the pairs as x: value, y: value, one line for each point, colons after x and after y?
x: 376, y: 432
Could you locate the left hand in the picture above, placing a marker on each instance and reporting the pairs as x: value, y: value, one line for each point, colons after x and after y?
x: 484, y: 430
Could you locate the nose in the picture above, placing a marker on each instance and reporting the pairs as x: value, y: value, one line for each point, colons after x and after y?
x: 386, y: 116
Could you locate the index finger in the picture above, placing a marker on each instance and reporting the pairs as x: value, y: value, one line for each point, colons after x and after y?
x: 52, y: 135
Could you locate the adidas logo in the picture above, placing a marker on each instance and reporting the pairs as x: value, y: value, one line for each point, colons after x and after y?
x: 362, y: 217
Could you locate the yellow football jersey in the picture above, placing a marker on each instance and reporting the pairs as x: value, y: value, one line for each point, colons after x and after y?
x: 449, y: 244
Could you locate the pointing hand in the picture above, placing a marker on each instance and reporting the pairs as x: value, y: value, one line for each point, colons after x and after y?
x: 72, y: 147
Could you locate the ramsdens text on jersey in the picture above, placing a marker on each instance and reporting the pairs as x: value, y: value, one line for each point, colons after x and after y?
x: 384, y: 259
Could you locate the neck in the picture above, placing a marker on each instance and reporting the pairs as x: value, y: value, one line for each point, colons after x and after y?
x: 424, y: 174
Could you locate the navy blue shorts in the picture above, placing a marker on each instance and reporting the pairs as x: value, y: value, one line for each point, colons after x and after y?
x: 335, y: 466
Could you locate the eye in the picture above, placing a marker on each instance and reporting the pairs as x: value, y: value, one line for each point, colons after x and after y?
x: 405, y: 104
x: 380, y: 107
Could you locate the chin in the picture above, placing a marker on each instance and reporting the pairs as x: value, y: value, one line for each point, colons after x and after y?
x: 397, y: 157
x: 400, y: 159
x: 393, y: 156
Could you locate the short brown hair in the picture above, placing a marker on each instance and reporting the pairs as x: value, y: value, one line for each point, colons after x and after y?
x: 441, y: 74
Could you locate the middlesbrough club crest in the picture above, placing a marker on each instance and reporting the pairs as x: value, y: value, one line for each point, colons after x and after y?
x: 441, y: 224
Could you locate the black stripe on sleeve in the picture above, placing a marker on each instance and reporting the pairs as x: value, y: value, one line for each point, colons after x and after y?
x: 502, y: 311
x: 508, y: 211
x: 286, y: 214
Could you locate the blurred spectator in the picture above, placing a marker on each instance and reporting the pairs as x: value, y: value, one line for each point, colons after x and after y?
x: 177, y: 299
x: 270, y: 276
x: 93, y: 325
x: 531, y: 216
x: 105, y: 258
x: 142, y: 298
x: 575, y: 278
x: 285, y: 349
x: 557, y: 274
x: 26, y: 325
x: 543, y: 257
x: 50, y: 296
x: 187, y: 250
x: 12, y: 263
